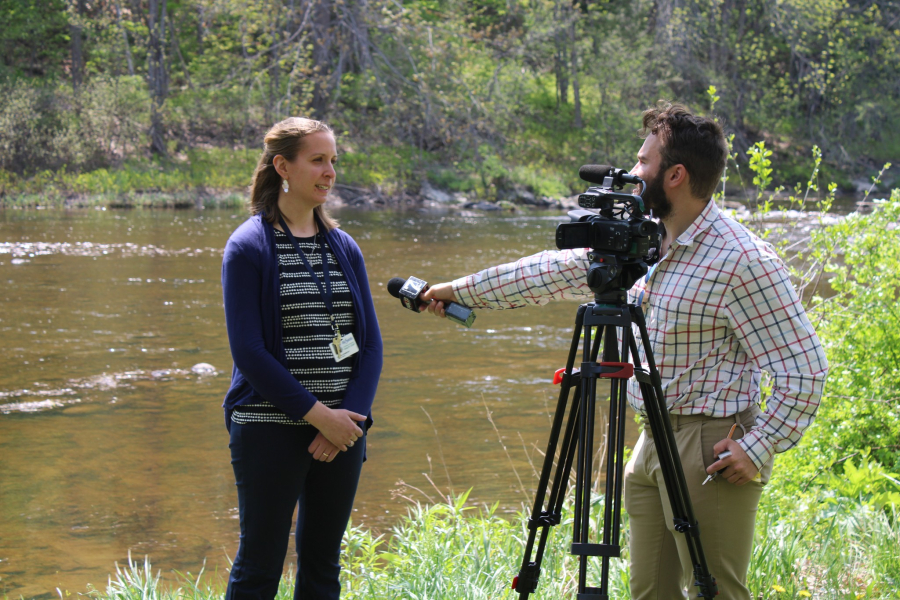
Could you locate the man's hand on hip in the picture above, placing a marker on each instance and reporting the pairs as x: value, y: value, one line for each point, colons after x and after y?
x: 739, y: 469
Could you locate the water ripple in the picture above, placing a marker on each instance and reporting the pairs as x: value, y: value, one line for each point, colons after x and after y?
x: 35, y: 406
x: 20, y: 250
x: 59, y: 397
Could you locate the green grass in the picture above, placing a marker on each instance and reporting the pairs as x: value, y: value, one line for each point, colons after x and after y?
x: 452, y: 551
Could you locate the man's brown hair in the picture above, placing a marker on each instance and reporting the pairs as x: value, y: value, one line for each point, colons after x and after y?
x: 698, y: 143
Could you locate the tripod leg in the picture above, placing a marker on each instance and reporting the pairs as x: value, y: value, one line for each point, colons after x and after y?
x: 526, y: 581
x: 590, y: 372
x: 670, y: 463
x: 584, y: 468
x: 615, y: 459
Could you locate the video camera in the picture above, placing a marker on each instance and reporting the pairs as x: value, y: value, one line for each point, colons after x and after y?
x: 623, y: 242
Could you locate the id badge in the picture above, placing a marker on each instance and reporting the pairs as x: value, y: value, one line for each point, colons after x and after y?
x: 348, y: 348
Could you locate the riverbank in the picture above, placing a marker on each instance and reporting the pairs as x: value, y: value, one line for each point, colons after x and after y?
x: 219, y: 178
x: 424, y: 197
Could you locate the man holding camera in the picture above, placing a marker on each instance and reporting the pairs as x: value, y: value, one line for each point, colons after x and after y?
x: 720, y: 308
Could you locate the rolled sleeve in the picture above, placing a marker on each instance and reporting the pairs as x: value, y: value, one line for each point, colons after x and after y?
x: 773, y: 329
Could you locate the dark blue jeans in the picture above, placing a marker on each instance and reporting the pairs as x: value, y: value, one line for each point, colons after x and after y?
x: 275, y: 472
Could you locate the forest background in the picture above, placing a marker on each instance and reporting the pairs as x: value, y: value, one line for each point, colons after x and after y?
x: 489, y: 98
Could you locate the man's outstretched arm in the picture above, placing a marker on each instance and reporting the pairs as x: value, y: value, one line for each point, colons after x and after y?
x: 532, y: 280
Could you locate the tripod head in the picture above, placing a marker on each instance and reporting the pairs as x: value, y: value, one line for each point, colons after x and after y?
x: 611, y: 276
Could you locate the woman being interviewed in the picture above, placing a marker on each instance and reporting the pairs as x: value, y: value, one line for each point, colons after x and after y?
x: 307, y: 357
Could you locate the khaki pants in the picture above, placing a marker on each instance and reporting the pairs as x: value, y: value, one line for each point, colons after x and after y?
x: 660, y: 563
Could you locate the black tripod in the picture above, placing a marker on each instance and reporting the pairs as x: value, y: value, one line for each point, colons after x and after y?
x: 608, y: 312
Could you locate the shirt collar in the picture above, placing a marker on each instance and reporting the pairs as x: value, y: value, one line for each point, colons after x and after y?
x: 703, y: 222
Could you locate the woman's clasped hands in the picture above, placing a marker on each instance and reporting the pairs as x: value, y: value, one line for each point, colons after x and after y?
x: 338, y: 430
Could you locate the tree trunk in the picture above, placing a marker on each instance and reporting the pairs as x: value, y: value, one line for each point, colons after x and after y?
x: 75, y: 35
x: 359, y: 12
x: 560, y: 60
x: 576, y: 91
x: 201, y: 28
x: 272, y: 111
x: 322, y: 37
x: 661, y: 14
x: 128, y: 57
x: 157, y: 77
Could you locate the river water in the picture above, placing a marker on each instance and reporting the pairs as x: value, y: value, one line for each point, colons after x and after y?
x: 110, y: 443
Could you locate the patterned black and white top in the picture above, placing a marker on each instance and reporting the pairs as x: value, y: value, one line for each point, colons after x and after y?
x: 306, y: 328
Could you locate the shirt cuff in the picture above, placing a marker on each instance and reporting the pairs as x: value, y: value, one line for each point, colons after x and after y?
x: 758, y: 447
x: 464, y: 290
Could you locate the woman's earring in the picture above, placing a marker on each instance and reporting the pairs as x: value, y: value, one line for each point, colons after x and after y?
x: 285, y: 187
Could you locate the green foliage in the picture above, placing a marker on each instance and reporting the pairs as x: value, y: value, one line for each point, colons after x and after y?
x: 452, y: 179
x: 388, y: 168
x: 860, y: 327
x: 713, y: 98
x: 136, y: 581
x: 440, y: 80
x: 39, y: 130
x: 833, y: 499
x: 213, y: 176
x: 761, y: 166
x: 844, y: 550
x: 132, y: 582
x: 544, y: 181
x: 33, y: 39
x: 846, y: 272
x: 869, y: 482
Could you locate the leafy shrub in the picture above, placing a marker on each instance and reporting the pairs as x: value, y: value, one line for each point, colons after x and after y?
x: 860, y: 328
x: 52, y: 128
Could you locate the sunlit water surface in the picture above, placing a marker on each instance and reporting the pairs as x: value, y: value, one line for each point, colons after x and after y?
x: 110, y: 442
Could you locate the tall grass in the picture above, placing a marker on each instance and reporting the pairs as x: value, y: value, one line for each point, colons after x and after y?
x: 832, y: 550
x: 448, y: 551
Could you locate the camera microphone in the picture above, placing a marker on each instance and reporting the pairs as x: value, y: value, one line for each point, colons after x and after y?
x: 409, y: 290
x: 598, y: 174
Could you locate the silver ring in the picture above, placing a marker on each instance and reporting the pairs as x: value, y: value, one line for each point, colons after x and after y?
x: 350, y: 444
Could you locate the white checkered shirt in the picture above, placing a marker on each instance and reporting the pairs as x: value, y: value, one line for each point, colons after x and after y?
x: 719, y: 308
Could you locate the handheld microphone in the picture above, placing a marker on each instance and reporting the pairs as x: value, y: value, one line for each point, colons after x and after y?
x: 409, y: 291
x: 598, y: 174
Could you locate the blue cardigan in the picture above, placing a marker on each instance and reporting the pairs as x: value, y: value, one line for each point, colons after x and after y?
x: 250, y: 284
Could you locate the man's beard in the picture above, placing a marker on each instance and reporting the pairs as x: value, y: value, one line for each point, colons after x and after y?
x: 655, y: 197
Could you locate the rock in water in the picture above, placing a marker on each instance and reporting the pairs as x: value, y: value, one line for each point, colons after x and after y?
x: 204, y: 369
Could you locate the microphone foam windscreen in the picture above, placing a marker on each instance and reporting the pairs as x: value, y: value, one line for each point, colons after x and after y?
x: 594, y: 173
x: 394, y: 286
